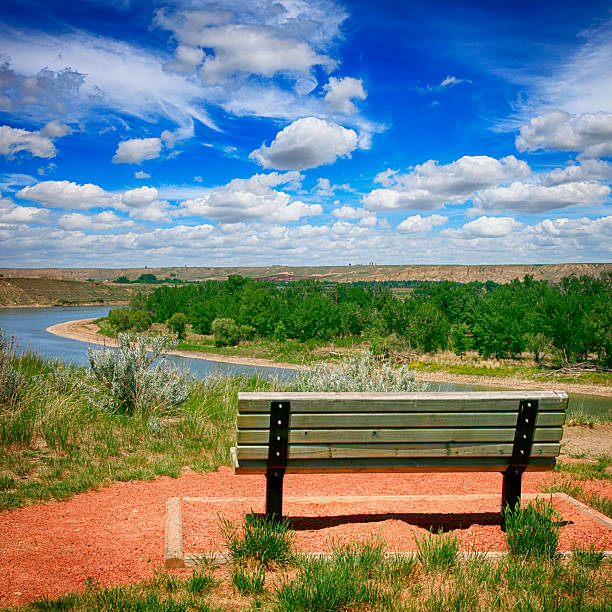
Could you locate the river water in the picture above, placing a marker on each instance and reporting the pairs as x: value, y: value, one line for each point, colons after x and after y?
x: 28, y: 326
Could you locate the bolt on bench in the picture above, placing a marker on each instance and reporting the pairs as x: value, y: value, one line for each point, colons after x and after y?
x: 508, y: 432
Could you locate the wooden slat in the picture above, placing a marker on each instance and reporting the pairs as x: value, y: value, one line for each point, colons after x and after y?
x: 491, y: 401
x: 350, y: 451
x: 401, y: 419
x: 406, y: 464
x: 341, y: 436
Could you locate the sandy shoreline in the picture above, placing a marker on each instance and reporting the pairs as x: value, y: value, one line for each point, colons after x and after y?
x: 85, y: 330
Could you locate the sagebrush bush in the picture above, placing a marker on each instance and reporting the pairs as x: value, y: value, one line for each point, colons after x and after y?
x: 135, y: 383
x: 362, y: 372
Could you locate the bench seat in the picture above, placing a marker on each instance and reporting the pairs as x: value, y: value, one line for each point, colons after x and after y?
x: 398, y: 432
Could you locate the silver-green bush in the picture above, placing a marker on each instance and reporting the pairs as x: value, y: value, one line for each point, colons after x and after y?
x: 361, y: 372
x: 135, y: 383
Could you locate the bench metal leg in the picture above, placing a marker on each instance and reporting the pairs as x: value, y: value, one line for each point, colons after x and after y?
x: 511, y: 490
x: 274, y: 494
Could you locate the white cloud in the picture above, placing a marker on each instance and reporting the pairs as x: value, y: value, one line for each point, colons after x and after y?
x: 139, y: 197
x: 590, y: 133
x: 429, y: 185
x: 103, y: 221
x: 307, y: 143
x: 14, y: 140
x: 66, y: 194
x: 56, y: 129
x: 341, y: 92
x: 137, y: 150
x: 156, y: 211
x: 532, y: 198
x: 484, y: 227
x: 348, y: 212
x: 587, y: 170
x: 11, y: 213
x: 421, y: 225
x: 140, y: 174
x: 453, y: 80
x: 253, y: 198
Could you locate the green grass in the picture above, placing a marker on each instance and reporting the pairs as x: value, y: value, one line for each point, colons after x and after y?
x: 532, y: 531
x: 248, y: 582
x: 437, y: 551
x: 56, y: 443
x: 260, y: 541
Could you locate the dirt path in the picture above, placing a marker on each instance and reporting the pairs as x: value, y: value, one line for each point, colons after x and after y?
x: 115, y: 535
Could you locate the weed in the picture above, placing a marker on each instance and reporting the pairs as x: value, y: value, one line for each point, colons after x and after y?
x: 437, y: 552
x: 199, y: 582
x: 587, y: 556
x: 533, y: 530
x: 340, y: 583
x: 6, y: 482
x: 261, y: 541
x: 249, y: 583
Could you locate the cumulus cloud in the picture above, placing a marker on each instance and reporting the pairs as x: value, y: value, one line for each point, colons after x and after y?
x: 137, y: 150
x: 11, y: 213
x: 253, y: 198
x: 103, y: 221
x: 242, y: 44
x: 587, y: 170
x: 38, y: 144
x: 66, y: 194
x: 139, y: 197
x: 533, y: 198
x: 341, y: 92
x: 349, y: 212
x: 307, y: 143
x: 421, y: 225
x: 140, y: 174
x: 589, y: 133
x: 484, y: 227
x: 430, y: 185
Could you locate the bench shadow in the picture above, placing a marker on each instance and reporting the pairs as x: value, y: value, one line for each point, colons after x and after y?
x: 434, y: 521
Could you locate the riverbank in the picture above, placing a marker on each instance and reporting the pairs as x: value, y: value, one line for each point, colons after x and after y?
x: 85, y: 330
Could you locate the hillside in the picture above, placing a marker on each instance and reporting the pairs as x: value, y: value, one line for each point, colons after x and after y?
x: 53, y: 292
x: 462, y: 274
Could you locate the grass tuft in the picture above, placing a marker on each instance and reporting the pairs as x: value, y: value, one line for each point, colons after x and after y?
x: 532, y: 531
x: 249, y: 583
x: 260, y: 541
x: 437, y: 551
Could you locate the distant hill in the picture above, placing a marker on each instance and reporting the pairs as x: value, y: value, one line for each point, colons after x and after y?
x: 462, y: 274
x: 53, y: 292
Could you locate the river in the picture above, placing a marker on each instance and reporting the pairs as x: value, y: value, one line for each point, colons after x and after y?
x: 28, y: 326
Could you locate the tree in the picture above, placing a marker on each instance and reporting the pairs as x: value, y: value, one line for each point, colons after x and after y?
x: 140, y: 320
x: 119, y: 319
x: 177, y: 323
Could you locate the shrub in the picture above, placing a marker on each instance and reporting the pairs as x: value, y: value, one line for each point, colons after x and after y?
x: 119, y: 319
x: 358, y: 373
x: 140, y: 320
x: 226, y: 332
x: 437, y: 551
x: 533, y: 530
x: 134, y: 383
x: 262, y: 541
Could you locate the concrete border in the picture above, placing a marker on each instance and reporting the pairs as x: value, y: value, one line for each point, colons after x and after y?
x: 175, y: 557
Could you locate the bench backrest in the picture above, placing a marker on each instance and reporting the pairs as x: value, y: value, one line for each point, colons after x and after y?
x: 456, y: 431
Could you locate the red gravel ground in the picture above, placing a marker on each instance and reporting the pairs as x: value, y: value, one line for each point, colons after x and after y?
x: 116, y: 535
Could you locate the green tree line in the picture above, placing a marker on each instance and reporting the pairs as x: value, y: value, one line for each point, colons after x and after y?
x: 569, y: 321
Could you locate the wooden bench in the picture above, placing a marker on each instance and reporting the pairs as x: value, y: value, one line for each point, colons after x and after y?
x: 507, y: 432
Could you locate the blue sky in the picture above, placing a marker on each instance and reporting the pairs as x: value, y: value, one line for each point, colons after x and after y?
x: 304, y: 132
